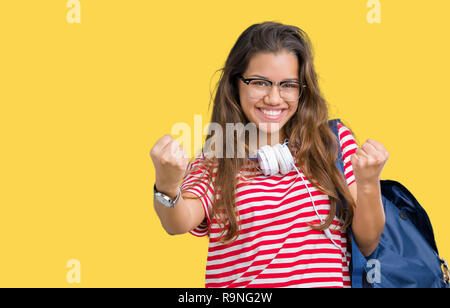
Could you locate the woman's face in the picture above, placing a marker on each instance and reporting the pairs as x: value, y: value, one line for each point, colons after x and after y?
x: 270, y: 109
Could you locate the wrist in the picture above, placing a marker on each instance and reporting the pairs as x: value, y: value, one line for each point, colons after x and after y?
x: 369, y: 186
x: 169, y: 191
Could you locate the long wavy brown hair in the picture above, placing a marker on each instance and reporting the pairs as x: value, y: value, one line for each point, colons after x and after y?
x: 313, y: 144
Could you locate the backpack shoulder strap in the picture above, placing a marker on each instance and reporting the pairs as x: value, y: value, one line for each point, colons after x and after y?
x: 333, y: 126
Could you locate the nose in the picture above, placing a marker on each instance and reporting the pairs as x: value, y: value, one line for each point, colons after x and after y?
x: 273, y: 98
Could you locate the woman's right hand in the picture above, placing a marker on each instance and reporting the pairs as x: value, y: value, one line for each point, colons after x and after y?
x: 170, y: 161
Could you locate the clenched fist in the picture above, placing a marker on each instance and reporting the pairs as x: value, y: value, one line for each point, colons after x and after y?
x: 170, y: 161
x: 368, y: 162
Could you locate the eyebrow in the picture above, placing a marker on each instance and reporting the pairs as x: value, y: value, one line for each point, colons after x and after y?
x: 260, y: 76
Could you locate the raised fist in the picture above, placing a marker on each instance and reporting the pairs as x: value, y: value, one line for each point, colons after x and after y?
x: 170, y: 161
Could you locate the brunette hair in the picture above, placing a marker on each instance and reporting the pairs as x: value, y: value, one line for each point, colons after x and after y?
x: 313, y: 144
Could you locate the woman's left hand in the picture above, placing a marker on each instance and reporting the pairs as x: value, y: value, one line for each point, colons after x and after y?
x: 368, y: 162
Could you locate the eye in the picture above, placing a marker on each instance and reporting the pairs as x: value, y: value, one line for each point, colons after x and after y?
x: 260, y: 83
x: 291, y: 85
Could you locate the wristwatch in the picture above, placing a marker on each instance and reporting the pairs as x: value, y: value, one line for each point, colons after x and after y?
x: 164, y: 199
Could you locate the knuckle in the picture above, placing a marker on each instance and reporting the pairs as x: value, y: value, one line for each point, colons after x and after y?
x: 162, y: 139
x: 163, y: 160
x: 165, y: 139
x: 166, y: 159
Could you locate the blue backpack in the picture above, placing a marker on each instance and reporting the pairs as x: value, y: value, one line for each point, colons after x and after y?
x: 406, y: 255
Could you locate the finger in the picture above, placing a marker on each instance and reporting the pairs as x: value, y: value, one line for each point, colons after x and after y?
x: 180, y: 153
x: 183, y: 150
x: 374, y: 154
x: 370, y: 150
x: 376, y: 145
x: 361, y: 153
x: 380, y: 148
x: 161, y: 143
x: 181, y: 159
x: 173, y: 148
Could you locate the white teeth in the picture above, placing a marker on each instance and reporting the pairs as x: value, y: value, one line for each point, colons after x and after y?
x: 271, y: 112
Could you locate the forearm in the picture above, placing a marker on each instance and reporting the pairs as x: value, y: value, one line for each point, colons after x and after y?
x: 368, y: 220
x: 174, y: 220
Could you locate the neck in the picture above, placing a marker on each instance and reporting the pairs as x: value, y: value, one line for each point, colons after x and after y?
x: 272, y: 139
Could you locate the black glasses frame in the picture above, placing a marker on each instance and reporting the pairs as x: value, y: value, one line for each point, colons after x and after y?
x: 247, y: 82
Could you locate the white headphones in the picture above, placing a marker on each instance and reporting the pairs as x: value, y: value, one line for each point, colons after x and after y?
x: 273, y: 160
x: 278, y: 159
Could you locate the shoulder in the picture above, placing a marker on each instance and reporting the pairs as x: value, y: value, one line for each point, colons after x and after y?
x: 346, y: 134
x: 202, y: 162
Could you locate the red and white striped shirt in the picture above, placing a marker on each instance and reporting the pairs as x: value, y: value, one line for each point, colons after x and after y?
x: 275, y: 247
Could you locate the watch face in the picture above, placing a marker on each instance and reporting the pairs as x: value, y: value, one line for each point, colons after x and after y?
x: 164, y: 200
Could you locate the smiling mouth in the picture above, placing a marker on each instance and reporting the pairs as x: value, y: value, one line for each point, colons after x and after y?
x: 271, y: 114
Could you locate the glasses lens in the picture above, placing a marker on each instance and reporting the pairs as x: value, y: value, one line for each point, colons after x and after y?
x: 258, y: 88
x: 290, y: 91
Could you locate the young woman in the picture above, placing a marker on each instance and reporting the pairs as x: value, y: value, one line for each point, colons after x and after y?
x: 281, y: 230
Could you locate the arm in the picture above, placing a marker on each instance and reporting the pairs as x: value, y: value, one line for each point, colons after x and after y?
x: 183, y: 217
x: 170, y: 163
x: 369, y: 219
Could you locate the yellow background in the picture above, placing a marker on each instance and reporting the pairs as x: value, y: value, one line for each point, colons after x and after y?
x: 82, y: 105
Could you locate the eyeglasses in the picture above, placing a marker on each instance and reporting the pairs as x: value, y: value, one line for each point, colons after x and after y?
x: 290, y: 90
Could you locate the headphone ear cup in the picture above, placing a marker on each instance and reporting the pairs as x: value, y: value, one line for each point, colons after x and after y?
x: 286, y: 160
x: 267, y: 160
x: 287, y: 156
x: 283, y: 161
x: 263, y: 162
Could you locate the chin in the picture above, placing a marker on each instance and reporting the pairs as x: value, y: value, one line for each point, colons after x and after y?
x: 269, y: 128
